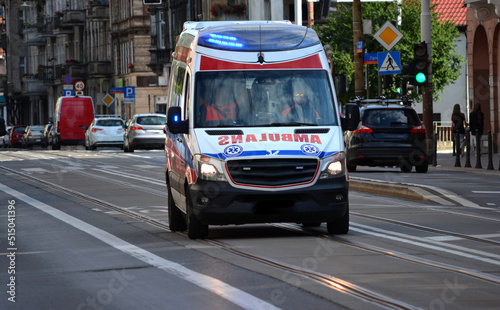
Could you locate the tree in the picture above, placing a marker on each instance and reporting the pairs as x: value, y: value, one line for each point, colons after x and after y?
x: 337, y: 31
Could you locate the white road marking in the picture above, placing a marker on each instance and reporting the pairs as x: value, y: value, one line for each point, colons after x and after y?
x: 38, y: 170
x: 453, y: 238
x: 486, y: 192
x: 434, y: 245
x: 222, y: 289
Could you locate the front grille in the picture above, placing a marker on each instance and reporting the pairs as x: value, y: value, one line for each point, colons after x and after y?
x: 272, y: 172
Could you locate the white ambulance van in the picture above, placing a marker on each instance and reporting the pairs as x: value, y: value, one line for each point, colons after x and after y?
x: 254, y: 131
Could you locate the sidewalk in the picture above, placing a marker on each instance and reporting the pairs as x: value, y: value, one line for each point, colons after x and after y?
x: 445, y: 159
x: 421, y: 190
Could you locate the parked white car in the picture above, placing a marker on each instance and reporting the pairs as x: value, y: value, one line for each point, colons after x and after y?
x: 105, y: 130
x: 4, y: 140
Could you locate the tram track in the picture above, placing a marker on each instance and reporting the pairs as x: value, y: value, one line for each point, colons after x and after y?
x: 325, y: 280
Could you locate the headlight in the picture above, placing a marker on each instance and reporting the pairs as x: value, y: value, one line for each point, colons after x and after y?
x: 209, y: 168
x: 333, y: 165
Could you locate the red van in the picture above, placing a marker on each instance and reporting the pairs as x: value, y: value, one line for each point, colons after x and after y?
x: 73, y: 116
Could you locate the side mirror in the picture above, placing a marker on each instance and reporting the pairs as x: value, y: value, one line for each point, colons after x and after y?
x: 174, y: 123
x: 352, y: 117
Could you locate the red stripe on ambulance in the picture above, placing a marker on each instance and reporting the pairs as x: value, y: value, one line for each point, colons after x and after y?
x: 311, y: 62
x: 273, y: 137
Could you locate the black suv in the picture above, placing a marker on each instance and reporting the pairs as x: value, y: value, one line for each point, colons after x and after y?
x: 389, y: 133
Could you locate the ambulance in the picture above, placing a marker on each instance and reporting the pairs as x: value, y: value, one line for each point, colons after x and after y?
x: 254, y: 133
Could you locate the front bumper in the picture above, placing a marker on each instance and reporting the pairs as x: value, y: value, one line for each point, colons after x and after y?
x: 217, y: 203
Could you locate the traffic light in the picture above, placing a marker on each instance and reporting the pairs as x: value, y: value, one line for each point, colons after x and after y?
x: 420, y: 64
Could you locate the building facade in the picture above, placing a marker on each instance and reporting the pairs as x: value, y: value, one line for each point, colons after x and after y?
x: 483, y: 42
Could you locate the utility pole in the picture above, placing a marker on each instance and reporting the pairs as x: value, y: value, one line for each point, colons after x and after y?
x: 298, y: 12
x: 357, y: 25
x: 425, y: 36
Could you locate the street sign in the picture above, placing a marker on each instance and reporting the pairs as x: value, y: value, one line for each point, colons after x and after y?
x: 115, y: 90
x: 129, y: 92
x: 79, y: 86
x: 108, y: 100
x: 68, y: 93
x: 79, y: 93
x: 67, y: 86
x: 370, y: 58
x: 389, y: 63
x: 388, y: 35
x: 359, y: 47
x: 68, y: 79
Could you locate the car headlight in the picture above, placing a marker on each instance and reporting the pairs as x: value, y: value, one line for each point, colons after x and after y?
x: 333, y: 166
x: 209, y: 168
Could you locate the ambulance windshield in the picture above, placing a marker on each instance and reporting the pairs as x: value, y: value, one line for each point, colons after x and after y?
x: 264, y: 98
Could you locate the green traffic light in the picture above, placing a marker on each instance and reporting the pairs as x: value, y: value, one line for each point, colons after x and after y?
x: 420, y: 77
x: 398, y: 90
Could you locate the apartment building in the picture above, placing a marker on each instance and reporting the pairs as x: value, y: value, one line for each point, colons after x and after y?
x: 52, y: 44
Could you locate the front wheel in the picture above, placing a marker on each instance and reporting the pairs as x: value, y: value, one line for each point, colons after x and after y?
x: 195, y: 229
x: 176, y: 221
x: 340, y: 226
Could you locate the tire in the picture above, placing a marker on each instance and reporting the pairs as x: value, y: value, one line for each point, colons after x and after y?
x: 195, y: 229
x: 405, y: 167
x: 176, y: 220
x: 340, y: 226
x: 87, y: 144
x: 56, y: 145
x: 422, y: 168
x: 126, y: 147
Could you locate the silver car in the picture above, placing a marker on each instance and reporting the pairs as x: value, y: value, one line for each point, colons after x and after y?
x: 105, y: 130
x: 144, y: 131
x: 32, y: 136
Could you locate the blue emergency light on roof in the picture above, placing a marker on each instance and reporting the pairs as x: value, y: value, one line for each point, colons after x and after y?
x: 257, y: 37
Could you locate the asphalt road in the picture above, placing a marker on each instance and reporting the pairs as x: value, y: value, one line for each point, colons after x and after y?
x: 90, y: 231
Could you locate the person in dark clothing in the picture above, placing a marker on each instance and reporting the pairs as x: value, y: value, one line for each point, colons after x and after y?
x: 476, y: 123
x: 459, y: 123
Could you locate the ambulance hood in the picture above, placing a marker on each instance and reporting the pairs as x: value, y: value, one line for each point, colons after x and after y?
x: 272, y: 142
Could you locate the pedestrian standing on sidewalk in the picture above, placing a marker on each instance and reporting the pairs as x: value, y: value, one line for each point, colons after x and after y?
x: 459, y: 123
x: 476, y: 123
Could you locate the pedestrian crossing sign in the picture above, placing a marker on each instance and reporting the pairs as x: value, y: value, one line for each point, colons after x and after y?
x: 389, y: 63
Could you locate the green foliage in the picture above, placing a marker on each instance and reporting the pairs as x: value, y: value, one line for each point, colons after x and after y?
x: 338, y: 32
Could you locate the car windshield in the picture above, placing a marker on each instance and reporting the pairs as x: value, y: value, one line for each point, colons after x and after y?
x: 264, y: 98
x: 19, y: 129
x: 389, y: 118
x: 151, y: 120
x: 109, y: 122
x: 36, y: 128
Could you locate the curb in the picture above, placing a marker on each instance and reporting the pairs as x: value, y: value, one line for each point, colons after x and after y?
x: 399, y: 190
x: 385, y: 189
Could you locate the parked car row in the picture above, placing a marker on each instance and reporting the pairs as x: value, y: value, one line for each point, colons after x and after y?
x: 23, y: 136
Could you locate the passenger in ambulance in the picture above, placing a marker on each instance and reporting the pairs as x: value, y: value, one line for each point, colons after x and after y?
x: 224, y: 107
x: 301, y: 109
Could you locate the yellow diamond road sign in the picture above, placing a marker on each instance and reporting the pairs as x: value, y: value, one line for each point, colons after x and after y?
x: 388, y: 35
x: 108, y: 100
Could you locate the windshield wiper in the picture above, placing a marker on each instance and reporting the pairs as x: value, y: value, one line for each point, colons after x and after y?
x: 291, y: 124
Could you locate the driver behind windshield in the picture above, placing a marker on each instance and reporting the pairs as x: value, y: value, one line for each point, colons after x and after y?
x: 301, y: 110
